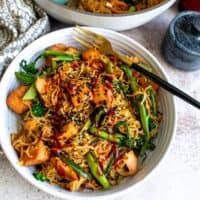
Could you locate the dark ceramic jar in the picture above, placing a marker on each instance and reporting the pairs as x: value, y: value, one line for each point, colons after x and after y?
x: 181, y: 45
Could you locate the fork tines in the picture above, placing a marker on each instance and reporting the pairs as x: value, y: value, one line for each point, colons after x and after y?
x: 85, y: 37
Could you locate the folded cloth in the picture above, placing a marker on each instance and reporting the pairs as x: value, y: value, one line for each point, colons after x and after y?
x: 21, y: 22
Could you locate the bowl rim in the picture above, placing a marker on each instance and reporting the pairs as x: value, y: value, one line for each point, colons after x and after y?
x: 60, y: 194
x: 146, y: 10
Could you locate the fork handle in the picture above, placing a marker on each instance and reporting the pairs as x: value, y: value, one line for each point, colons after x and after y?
x: 167, y: 86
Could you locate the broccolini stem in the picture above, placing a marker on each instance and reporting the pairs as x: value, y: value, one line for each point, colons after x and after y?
x: 96, y: 171
x: 116, y: 138
x: 74, y: 166
x: 153, y: 100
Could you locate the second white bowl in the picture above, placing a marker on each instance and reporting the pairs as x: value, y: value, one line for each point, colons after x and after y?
x: 116, y: 22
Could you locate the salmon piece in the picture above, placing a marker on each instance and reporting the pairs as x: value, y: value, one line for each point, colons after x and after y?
x: 91, y: 54
x: 102, y: 95
x: 15, y: 102
x: 40, y: 85
x: 63, y: 169
x: 127, y: 165
x: 39, y: 153
x: 79, y: 93
x: 58, y: 47
x: 68, y: 131
x: 71, y: 50
x: 31, y: 125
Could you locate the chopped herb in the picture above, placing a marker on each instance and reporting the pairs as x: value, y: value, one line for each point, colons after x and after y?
x: 39, y: 176
x: 120, y: 87
x: 28, y: 68
x: 38, y: 110
x: 120, y: 124
x: 132, y: 9
x: 152, y: 124
x: 26, y: 78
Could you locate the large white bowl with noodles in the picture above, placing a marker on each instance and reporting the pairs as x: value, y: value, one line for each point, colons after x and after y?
x: 116, y: 22
x: 9, y: 121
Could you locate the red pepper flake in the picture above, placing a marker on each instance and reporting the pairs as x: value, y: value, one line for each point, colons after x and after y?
x: 71, y: 88
x: 94, y: 81
x: 111, y: 119
x: 118, y: 159
x: 136, y: 74
x: 74, y: 64
x: 98, y: 64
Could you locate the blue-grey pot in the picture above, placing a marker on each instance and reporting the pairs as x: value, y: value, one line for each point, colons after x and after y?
x: 179, y: 54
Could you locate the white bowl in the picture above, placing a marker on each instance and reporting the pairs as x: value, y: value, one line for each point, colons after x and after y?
x: 116, y: 22
x: 8, y: 122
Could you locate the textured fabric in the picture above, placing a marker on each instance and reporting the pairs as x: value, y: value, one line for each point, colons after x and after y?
x: 21, y: 22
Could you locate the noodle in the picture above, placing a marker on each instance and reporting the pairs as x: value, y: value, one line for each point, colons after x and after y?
x: 115, y: 6
x: 71, y: 93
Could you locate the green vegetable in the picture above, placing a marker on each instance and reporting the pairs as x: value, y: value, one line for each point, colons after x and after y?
x: 74, y: 166
x: 39, y: 176
x: 28, y: 75
x: 132, y: 9
x: 99, y: 117
x: 59, y: 56
x: 120, y: 87
x: 86, y: 126
x: 144, y: 117
x: 147, y: 123
x: 54, y: 64
x: 153, y: 100
x: 128, y: 142
x: 109, y: 68
x: 38, y: 110
x: 26, y: 78
x: 132, y: 80
x: 96, y: 171
x: 140, y: 142
x: 109, y: 166
x: 67, y: 58
x: 116, y: 138
x: 31, y: 93
x: 28, y: 68
x: 124, y: 124
x: 152, y: 124
x: 46, y: 72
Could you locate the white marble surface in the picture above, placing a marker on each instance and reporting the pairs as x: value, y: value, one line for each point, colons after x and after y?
x: 179, y: 175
